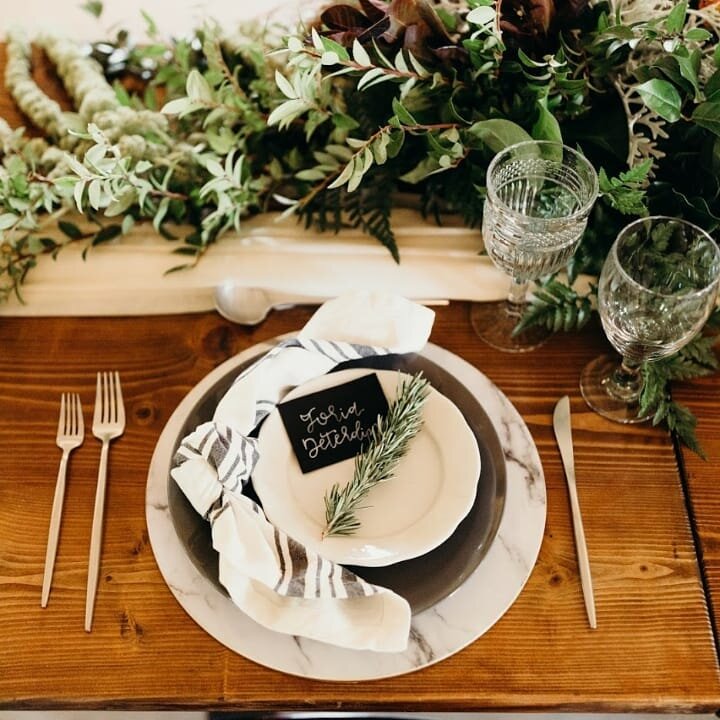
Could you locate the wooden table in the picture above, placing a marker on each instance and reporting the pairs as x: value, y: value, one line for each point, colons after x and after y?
x: 650, y: 517
x: 653, y: 650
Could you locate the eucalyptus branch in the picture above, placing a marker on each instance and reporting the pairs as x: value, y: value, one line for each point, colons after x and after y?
x: 386, y: 446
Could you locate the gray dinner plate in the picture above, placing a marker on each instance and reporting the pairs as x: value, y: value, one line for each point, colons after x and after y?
x: 422, y: 581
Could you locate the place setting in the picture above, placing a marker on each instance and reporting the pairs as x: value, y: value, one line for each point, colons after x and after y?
x: 424, y: 563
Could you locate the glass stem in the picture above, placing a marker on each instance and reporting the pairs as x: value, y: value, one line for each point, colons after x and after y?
x: 625, y: 382
x: 515, y: 302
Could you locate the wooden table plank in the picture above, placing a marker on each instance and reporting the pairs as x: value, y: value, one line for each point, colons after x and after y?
x: 703, y: 482
x: 653, y: 650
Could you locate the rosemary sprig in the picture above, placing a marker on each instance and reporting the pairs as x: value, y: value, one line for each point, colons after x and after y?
x: 387, y: 444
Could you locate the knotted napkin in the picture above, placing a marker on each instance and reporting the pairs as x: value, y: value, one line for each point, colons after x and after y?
x: 274, y: 579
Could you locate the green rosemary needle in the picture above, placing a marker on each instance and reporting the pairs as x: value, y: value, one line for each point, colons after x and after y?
x: 386, y: 445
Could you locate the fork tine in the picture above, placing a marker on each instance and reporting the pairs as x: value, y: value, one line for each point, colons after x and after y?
x: 79, y: 422
x: 104, y: 397
x: 97, y: 413
x: 61, y: 419
x: 111, y: 393
x: 120, y: 405
x: 70, y: 420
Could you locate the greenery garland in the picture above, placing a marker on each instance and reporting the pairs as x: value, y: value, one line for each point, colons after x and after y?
x: 373, y: 100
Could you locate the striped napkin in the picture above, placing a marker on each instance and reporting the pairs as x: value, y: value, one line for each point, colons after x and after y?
x: 274, y: 579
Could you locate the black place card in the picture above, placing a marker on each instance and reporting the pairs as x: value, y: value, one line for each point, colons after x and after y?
x: 331, y: 425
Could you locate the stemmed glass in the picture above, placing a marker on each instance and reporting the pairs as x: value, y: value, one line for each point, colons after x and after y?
x: 656, y: 289
x: 539, y: 196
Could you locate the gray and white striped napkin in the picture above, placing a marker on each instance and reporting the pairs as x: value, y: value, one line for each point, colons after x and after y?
x: 271, y: 577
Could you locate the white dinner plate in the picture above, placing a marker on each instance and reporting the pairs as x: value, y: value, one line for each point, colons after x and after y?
x: 431, y: 491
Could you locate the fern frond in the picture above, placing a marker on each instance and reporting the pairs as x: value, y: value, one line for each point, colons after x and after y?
x: 556, y: 306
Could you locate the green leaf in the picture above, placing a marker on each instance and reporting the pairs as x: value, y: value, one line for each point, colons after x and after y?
x: 70, y: 229
x: 402, y: 114
x: 707, y: 115
x: 198, y: 88
x: 483, y: 16
x: 7, y: 220
x: 662, y: 98
x: 698, y: 35
x: 689, y: 66
x: 107, y: 233
x: 94, y: 7
x: 675, y: 21
x: 427, y: 166
x: 335, y: 48
x: 546, y: 127
x: 712, y: 87
x: 397, y: 138
x: 150, y: 25
x: 344, y: 122
x: 121, y: 93
x: 360, y: 54
x: 498, y: 134
x: 285, y: 86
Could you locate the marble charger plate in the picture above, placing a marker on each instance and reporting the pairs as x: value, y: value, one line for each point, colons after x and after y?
x: 457, y: 592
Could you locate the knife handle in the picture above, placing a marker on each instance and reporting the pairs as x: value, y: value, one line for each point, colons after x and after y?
x: 582, y: 555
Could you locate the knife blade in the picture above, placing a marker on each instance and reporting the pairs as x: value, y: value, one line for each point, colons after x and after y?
x: 563, y: 434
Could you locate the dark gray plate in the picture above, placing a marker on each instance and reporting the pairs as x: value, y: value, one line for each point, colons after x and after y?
x: 422, y: 581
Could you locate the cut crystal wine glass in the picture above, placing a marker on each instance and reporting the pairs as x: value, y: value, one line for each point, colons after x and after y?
x: 539, y: 196
x: 657, y: 287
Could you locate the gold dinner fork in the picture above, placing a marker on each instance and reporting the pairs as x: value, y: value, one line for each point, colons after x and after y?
x: 70, y: 434
x: 108, y: 424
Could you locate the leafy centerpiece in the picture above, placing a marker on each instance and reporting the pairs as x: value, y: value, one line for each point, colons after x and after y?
x: 373, y: 103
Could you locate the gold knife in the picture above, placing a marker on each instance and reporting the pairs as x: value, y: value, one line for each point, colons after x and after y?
x: 563, y: 433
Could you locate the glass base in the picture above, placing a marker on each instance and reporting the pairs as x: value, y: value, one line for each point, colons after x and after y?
x: 596, y: 386
x: 494, y: 325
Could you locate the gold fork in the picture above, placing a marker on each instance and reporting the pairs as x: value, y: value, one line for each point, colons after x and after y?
x: 108, y: 423
x: 70, y: 434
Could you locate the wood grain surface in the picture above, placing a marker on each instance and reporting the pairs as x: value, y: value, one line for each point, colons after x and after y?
x: 653, y: 649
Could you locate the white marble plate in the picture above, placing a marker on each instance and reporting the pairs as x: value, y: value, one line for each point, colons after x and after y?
x: 436, y: 633
x: 434, y: 483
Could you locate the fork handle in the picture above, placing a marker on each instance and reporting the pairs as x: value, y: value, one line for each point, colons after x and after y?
x: 96, y: 537
x: 54, y: 531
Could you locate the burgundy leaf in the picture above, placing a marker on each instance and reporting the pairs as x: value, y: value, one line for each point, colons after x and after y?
x: 374, y: 9
x: 344, y: 37
x: 343, y: 17
x: 376, y: 30
x: 431, y: 19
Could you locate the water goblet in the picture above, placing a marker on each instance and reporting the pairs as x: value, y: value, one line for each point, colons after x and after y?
x: 657, y: 287
x: 539, y: 196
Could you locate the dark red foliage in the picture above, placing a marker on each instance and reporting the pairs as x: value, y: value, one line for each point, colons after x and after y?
x: 410, y: 24
x: 534, y: 24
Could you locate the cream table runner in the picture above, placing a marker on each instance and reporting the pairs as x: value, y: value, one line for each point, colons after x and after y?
x: 128, y: 276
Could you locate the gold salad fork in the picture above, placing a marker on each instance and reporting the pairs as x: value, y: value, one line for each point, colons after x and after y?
x: 108, y: 424
x: 70, y: 434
